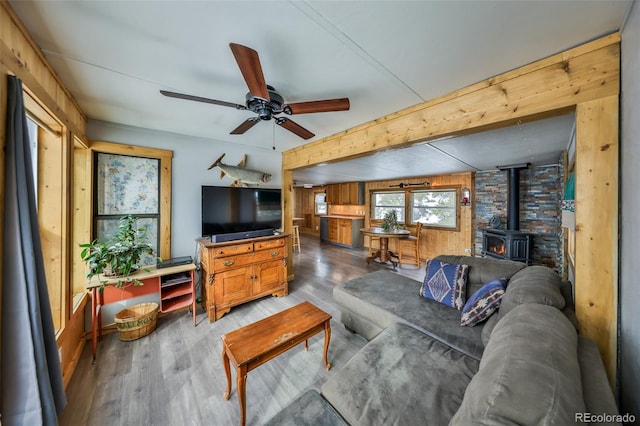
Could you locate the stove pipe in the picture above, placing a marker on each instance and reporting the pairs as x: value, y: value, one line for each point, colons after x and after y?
x: 513, y: 195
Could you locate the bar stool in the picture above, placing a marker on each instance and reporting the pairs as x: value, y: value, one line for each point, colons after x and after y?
x: 296, y: 237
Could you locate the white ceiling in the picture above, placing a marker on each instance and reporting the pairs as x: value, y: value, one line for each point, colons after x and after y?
x: 115, y: 57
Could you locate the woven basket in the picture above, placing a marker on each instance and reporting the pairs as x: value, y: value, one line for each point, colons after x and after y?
x: 136, y: 321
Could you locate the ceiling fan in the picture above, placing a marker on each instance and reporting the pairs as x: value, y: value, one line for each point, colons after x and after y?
x: 264, y: 100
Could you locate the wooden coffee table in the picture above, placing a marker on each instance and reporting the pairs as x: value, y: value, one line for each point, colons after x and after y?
x: 253, y: 345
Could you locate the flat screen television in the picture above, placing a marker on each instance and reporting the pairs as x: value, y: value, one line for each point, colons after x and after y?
x: 227, y: 210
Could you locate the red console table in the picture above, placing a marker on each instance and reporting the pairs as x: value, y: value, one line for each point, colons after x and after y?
x: 175, y: 284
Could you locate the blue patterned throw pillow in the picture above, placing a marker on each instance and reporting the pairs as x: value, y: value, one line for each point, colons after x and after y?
x: 445, y: 283
x: 483, y: 302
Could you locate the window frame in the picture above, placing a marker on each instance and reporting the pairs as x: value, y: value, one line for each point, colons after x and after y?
x: 316, y: 204
x: 165, y: 157
x: 456, y: 207
x: 372, y: 197
x: 408, y: 207
x: 51, y: 163
x: 114, y: 217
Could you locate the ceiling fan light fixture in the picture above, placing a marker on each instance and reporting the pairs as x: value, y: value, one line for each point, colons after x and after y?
x: 264, y: 113
x: 263, y: 99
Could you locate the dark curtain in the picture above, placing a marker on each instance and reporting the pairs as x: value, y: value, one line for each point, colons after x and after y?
x: 32, y: 390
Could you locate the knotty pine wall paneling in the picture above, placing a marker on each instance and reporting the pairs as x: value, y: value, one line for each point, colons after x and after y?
x: 434, y: 241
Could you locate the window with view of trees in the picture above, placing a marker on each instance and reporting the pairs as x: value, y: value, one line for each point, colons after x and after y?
x: 320, y: 203
x: 384, y: 202
x: 434, y: 207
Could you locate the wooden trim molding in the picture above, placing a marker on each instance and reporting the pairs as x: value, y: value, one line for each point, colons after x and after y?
x: 596, y: 234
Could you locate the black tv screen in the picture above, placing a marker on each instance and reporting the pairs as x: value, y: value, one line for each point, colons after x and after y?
x: 230, y: 209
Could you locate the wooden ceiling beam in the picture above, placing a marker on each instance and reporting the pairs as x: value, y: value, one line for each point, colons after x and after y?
x: 547, y: 87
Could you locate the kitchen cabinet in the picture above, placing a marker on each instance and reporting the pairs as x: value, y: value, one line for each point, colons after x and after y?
x: 333, y: 193
x: 350, y: 193
x: 342, y: 231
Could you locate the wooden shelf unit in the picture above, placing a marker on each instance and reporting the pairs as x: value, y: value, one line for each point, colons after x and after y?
x: 175, y: 284
x: 176, y: 291
x: 236, y: 272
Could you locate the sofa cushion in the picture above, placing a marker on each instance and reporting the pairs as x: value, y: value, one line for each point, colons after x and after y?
x: 445, y: 283
x: 488, y: 327
x: 483, y: 269
x: 309, y: 409
x: 380, y: 298
x: 402, y: 377
x: 483, y: 302
x: 529, y: 373
x: 535, y: 284
x: 596, y: 390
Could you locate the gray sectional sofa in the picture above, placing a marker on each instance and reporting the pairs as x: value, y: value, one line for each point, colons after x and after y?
x: 525, y: 365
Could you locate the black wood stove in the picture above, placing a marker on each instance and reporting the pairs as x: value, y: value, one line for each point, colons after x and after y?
x: 509, y: 244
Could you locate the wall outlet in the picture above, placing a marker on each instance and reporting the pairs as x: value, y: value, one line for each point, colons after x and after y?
x: 316, y: 227
x: 467, y: 250
x: 60, y: 354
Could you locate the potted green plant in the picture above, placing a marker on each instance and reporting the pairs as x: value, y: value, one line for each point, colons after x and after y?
x: 390, y: 221
x: 121, y: 256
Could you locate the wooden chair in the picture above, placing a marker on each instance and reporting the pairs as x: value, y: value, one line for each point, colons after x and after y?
x: 412, y: 243
x: 372, y: 240
x: 296, y: 237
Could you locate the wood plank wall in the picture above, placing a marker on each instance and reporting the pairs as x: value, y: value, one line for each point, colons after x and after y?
x: 20, y: 56
x: 434, y: 241
x: 305, y: 209
x: 567, y: 81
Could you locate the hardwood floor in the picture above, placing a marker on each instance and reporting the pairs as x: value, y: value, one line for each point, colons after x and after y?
x: 174, y: 376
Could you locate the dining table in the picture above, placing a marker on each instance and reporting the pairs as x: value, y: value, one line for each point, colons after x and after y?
x: 383, y: 253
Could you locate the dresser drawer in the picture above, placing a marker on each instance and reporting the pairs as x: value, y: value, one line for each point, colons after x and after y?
x: 231, y: 262
x: 263, y: 245
x: 234, y: 249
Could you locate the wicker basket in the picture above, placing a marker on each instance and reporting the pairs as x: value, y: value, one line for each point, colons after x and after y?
x: 136, y: 321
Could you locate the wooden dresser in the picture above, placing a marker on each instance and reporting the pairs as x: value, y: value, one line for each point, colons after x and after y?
x: 236, y: 272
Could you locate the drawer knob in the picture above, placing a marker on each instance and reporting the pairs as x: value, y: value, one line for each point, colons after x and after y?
x: 228, y: 262
x: 275, y: 253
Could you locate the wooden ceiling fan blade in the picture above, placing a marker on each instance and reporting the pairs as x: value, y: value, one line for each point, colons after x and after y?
x: 201, y: 99
x: 246, y: 125
x: 327, y: 105
x: 294, y: 127
x: 251, y: 70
